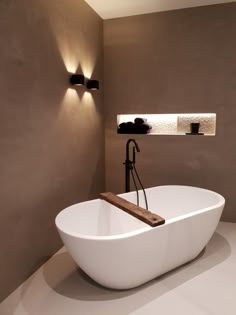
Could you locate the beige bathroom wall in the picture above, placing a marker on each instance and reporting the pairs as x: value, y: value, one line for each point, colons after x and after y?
x: 51, y: 135
x: 179, y: 61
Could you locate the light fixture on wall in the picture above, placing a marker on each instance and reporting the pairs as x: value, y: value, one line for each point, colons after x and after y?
x: 93, y: 84
x: 77, y: 79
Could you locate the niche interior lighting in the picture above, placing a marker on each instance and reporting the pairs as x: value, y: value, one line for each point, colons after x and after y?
x: 173, y: 124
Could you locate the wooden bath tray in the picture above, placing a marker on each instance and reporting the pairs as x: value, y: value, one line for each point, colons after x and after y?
x: 140, y: 213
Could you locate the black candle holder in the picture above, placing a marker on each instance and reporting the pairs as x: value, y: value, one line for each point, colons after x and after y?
x: 194, y: 127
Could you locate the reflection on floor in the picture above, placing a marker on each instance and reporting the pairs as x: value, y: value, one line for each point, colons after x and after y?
x: 205, y: 286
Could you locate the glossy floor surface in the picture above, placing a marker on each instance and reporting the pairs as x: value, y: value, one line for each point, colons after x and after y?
x: 206, y: 286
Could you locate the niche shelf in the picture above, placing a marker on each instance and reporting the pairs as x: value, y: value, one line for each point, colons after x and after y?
x: 171, y: 124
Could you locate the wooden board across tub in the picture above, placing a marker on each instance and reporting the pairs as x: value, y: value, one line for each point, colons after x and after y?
x: 140, y: 213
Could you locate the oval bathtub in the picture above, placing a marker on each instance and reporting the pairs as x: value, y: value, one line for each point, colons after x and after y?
x: 118, y: 251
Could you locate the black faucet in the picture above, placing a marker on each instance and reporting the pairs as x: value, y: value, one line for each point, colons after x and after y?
x: 128, y: 163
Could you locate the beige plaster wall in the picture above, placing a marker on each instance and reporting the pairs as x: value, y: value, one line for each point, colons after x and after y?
x: 51, y: 136
x: 179, y: 61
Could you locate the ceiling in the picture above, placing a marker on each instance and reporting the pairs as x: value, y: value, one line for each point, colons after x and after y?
x: 109, y: 9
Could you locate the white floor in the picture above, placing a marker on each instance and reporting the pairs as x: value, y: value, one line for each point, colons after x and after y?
x: 204, y: 286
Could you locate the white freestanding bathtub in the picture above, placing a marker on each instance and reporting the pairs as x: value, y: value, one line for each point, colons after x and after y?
x: 118, y: 251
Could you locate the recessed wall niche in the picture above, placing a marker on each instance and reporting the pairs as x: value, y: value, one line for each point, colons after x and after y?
x: 167, y: 124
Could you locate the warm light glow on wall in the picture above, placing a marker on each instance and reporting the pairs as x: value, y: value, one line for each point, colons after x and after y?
x: 88, y: 60
x: 74, y: 57
x: 69, y: 54
x: 87, y: 67
x: 174, y: 124
x: 66, y: 44
x: 71, y: 97
x: 89, y: 108
x: 69, y: 107
x: 88, y: 100
x: 77, y: 53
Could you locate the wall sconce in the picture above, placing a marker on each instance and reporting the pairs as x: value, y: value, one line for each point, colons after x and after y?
x: 77, y: 79
x: 93, y: 84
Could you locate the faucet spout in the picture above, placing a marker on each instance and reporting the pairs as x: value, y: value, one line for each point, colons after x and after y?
x: 128, y: 163
x: 127, y: 147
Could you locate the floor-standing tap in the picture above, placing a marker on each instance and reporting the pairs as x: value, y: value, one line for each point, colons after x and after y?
x: 128, y: 163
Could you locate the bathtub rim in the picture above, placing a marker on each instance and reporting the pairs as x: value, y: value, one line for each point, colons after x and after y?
x: 220, y: 203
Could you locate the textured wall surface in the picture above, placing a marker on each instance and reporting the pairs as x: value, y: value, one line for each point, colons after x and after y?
x: 174, y: 62
x: 51, y: 137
